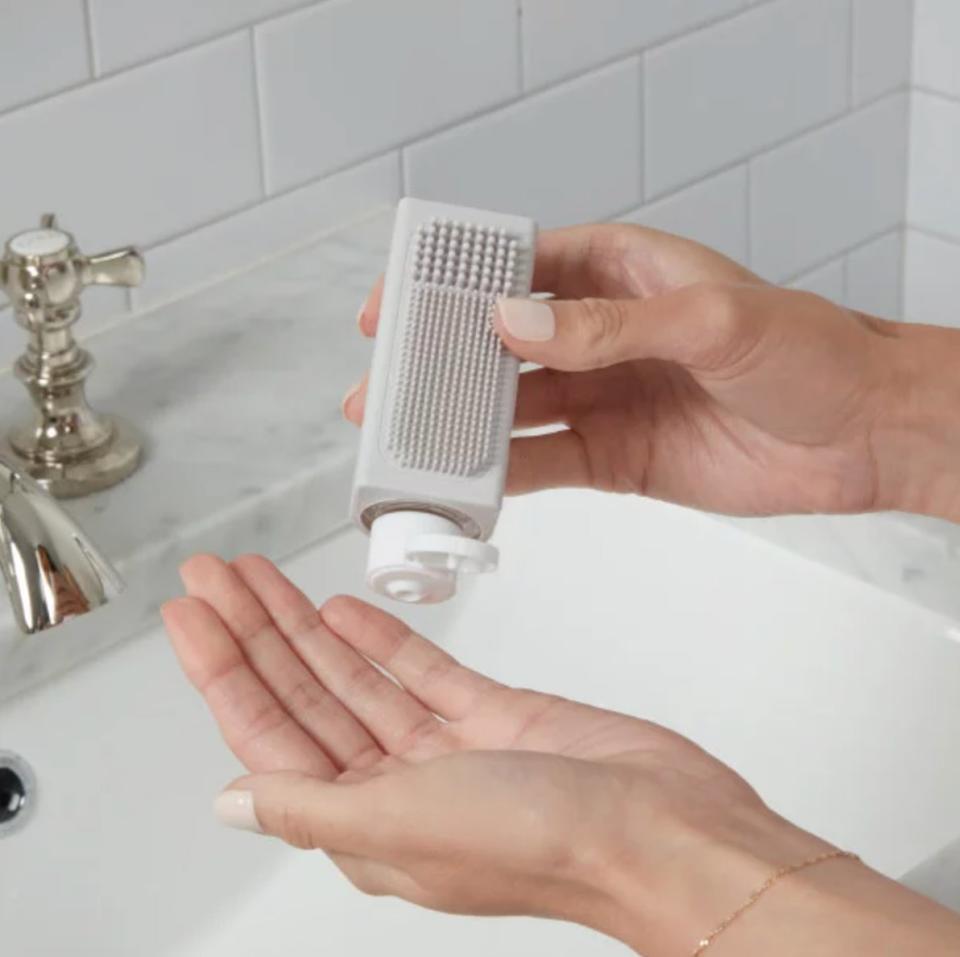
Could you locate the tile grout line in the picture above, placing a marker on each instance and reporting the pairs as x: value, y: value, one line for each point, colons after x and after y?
x: 92, y: 56
x: 948, y: 238
x: 521, y: 66
x: 851, y: 52
x: 908, y: 164
x: 841, y: 253
x: 258, y: 113
x: 403, y: 174
x: 797, y: 135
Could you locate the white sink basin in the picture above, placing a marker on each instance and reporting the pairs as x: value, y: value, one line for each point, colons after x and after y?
x: 840, y: 703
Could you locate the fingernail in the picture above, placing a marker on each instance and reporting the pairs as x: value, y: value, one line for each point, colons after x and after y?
x: 348, y: 398
x: 361, y: 311
x: 235, y: 809
x: 527, y: 319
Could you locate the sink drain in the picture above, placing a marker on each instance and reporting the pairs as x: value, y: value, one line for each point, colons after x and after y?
x: 17, y: 792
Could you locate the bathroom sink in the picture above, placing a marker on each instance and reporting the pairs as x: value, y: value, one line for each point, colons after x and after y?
x: 838, y: 701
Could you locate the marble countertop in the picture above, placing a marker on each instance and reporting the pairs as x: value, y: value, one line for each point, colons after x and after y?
x: 238, y: 390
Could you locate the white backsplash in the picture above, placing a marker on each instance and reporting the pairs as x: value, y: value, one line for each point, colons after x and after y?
x: 215, y: 133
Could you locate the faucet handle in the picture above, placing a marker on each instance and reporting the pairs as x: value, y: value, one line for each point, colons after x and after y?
x: 118, y: 267
x: 43, y: 268
x: 69, y: 448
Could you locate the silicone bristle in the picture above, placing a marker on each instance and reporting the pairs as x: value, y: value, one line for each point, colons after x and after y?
x: 452, y: 364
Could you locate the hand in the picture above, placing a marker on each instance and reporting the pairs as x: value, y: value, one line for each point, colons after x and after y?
x: 450, y: 789
x: 459, y: 793
x: 678, y: 374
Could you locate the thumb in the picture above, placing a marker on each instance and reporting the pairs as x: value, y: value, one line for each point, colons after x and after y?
x: 699, y: 326
x: 302, y: 810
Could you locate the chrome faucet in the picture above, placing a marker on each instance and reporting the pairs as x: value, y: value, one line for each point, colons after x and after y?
x: 68, y: 447
x: 52, y: 570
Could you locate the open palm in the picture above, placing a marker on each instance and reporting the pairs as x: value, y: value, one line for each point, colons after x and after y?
x: 437, y: 783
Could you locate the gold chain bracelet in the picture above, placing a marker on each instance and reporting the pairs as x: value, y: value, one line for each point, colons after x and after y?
x: 764, y: 887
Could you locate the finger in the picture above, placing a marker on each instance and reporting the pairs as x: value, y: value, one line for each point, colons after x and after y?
x: 314, y: 707
x: 391, y: 716
x: 588, y: 260
x: 556, y: 460
x: 704, y: 327
x: 437, y: 679
x: 369, y: 315
x: 310, y: 813
x: 543, y: 398
x: 355, y: 401
x: 254, y: 725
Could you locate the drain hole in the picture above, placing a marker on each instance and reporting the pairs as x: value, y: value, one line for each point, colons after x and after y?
x: 13, y: 794
x: 18, y: 792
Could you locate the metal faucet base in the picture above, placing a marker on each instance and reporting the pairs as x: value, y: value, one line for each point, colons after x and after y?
x: 105, y: 466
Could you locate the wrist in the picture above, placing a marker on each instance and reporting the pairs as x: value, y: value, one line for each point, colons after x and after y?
x: 662, y: 904
x: 916, y: 437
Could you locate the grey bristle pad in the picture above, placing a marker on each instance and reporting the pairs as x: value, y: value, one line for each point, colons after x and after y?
x: 447, y: 409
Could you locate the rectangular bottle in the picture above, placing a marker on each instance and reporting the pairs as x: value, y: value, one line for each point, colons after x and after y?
x: 440, y: 400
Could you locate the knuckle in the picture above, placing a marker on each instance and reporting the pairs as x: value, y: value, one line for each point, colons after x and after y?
x: 601, y: 325
x: 720, y: 307
x: 294, y: 829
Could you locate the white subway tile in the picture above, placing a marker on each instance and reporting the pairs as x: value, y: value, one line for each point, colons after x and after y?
x: 934, y: 191
x: 882, y: 38
x: 566, y: 155
x: 932, y: 280
x: 875, y: 277
x: 826, y: 281
x: 126, y: 32
x: 713, y: 212
x: 43, y: 48
x: 726, y: 91
x: 936, y: 42
x: 828, y: 190
x: 563, y: 37
x: 211, y: 252
x: 343, y: 81
x: 140, y: 156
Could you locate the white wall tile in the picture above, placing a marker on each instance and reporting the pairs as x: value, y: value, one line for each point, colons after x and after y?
x: 141, y: 156
x: 129, y: 31
x: 882, y: 38
x: 934, y: 194
x: 43, y: 48
x: 343, y: 81
x: 936, y: 42
x: 567, y: 155
x: 713, y: 212
x: 209, y: 253
x: 932, y: 280
x: 826, y: 281
x: 875, y: 277
x: 829, y: 190
x: 728, y: 90
x: 562, y: 37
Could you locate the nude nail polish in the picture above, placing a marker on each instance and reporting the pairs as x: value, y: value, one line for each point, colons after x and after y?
x: 527, y: 319
x: 235, y: 809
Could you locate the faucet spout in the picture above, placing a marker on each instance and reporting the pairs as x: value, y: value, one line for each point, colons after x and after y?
x: 51, y: 568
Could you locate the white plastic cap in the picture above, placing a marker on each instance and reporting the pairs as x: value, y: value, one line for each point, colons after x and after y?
x: 416, y: 556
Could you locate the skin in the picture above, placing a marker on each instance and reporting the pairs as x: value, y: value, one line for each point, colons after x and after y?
x: 461, y: 794
x: 673, y: 372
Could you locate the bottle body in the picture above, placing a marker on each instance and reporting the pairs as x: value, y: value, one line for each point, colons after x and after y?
x: 442, y: 388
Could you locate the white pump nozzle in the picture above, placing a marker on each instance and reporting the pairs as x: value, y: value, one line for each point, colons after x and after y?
x: 416, y: 556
